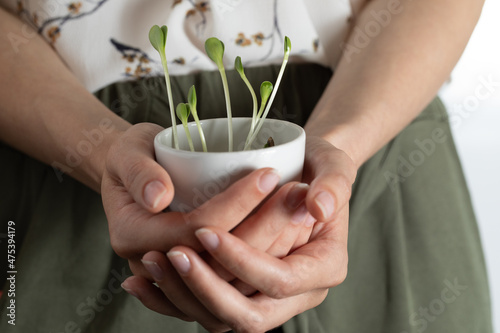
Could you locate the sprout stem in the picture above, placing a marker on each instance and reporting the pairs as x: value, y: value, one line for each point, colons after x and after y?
x: 228, y: 108
x: 215, y: 51
x: 183, y: 110
x: 170, y: 99
x: 192, y: 102
x: 268, y: 107
x: 200, y: 129
x: 188, y: 135
x: 254, y: 99
x: 238, y: 66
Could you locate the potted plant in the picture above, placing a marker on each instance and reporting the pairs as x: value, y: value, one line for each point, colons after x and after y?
x: 204, y: 157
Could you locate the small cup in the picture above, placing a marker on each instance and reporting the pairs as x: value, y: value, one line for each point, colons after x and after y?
x: 198, y: 176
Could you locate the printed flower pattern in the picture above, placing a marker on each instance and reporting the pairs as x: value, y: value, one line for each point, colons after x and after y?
x: 51, y: 27
x: 74, y: 7
x: 269, y: 39
x: 138, y: 63
x: 200, y: 7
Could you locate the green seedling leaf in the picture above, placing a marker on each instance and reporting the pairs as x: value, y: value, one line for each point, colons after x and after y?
x: 215, y: 50
x: 266, y: 88
x: 157, y: 37
x: 288, y: 46
x: 192, y: 98
x: 183, y: 112
x: 164, y: 29
x: 238, y: 65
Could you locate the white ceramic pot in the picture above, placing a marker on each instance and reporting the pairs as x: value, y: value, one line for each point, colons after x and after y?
x: 198, y: 176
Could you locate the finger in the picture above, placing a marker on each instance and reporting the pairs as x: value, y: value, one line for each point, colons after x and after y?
x: 332, y: 174
x: 258, y: 313
x: 321, y: 263
x: 239, y: 200
x: 137, y: 268
x: 131, y: 163
x: 177, y: 292
x: 273, y: 228
x: 152, y: 297
x: 305, y: 233
x: 135, y: 231
x: 290, y: 239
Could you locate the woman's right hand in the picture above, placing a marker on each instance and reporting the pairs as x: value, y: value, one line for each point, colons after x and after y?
x: 136, y: 190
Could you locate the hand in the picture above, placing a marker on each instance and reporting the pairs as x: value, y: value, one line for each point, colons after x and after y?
x: 135, y: 191
x: 287, y: 286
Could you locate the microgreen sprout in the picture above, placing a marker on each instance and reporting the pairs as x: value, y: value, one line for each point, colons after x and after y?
x: 192, y: 100
x: 183, y: 114
x: 265, y: 91
x: 287, y: 50
x: 266, y: 88
x: 215, y: 51
x: 158, y: 38
x: 238, y: 65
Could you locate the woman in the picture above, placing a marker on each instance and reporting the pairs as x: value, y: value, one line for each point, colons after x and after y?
x: 415, y: 258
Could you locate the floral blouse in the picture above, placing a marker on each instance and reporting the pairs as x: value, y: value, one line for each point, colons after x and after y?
x: 105, y: 41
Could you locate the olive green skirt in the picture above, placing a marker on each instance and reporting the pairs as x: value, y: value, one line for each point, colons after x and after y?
x: 415, y: 257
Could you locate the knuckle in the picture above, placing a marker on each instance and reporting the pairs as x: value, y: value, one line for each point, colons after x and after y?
x: 118, y: 245
x: 322, y: 294
x: 238, y: 205
x: 339, y: 275
x: 240, y: 260
x: 118, y: 240
x: 241, y: 205
x: 132, y: 172
x: 286, y: 286
x: 274, y: 227
x: 345, y: 183
x: 323, y: 158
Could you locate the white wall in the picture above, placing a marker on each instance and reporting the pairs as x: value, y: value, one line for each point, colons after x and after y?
x: 477, y: 133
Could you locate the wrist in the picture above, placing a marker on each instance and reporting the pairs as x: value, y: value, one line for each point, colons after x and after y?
x: 104, y: 136
x: 341, y: 137
x: 83, y: 153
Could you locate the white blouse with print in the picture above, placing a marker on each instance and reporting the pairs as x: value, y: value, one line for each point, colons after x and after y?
x: 105, y: 41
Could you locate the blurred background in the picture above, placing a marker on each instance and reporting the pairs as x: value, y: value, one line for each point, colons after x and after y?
x: 475, y: 119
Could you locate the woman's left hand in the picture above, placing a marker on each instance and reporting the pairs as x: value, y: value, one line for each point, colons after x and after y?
x: 286, y: 286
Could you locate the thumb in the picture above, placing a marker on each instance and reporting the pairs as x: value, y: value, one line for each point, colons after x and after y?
x: 331, y: 173
x: 131, y: 162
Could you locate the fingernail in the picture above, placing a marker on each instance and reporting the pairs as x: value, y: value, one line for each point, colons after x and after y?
x: 310, y: 221
x: 296, y: 195
x: 325, y: 202
x: 208, y: 238
x: 127, y: 288
x: 268, y: 181
x: 153, y: 193
x: 300, y: 214
x: 180, y: 261
x: 154, y: 269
